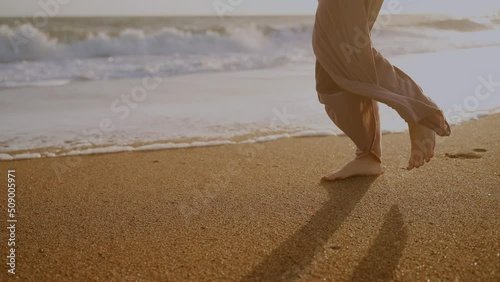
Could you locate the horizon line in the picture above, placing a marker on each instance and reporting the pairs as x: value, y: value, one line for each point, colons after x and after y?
x: 204, y: 15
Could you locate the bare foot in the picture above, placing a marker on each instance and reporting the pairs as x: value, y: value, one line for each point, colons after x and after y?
x: 367, y: 165
x: 423, y: 141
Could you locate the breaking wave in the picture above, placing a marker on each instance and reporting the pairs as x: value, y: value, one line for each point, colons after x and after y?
x: 79, y: 49
x: 26, y: 42
x: 463, y: 25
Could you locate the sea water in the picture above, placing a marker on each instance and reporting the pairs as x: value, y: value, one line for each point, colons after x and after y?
x: 37, y: 63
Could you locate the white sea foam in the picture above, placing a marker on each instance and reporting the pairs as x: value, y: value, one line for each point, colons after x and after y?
x: 46, y: 83
x: 111, y: 149
x: 165, y: 146
x: 314, y: 133
x: 6, y: 157
x: 27, y: 156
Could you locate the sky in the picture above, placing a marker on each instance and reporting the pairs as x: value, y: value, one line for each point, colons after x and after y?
x: 28, y: 8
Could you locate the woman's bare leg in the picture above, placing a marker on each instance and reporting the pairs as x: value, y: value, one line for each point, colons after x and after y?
x: 358, y: 118
x: 342, y: 45
x: 423, y: 139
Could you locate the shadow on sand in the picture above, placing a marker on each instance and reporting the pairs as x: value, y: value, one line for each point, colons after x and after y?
x: 386, y: 250
x: 288, y: 260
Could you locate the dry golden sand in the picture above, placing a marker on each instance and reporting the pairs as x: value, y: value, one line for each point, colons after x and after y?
x: 258, y: 212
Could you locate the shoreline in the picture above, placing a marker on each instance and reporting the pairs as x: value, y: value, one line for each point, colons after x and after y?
x: 42, y: 153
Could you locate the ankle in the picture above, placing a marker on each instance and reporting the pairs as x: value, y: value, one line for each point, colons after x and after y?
x: 369, y: 157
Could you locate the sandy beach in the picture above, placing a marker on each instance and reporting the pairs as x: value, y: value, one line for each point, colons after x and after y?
x: 257, y: 212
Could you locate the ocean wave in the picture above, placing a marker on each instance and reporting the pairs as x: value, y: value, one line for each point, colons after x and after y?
x: 461, y: 25
x: 41, y: 83
x: 65, y: 51
x: 26, y: 42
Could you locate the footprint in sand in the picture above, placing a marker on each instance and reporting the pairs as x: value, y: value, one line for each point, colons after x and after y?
x: 469, y: 155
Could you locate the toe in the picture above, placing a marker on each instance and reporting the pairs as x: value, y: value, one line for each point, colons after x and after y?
x: 411, y: 162
x: 416, y: 157
x: 427, y: 157
x: 331, y: 177
x: 420, y: 158
x: 334, y: 177
x: 419, y: 161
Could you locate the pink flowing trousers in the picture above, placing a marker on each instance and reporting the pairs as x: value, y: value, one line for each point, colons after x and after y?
x: 351, y: 76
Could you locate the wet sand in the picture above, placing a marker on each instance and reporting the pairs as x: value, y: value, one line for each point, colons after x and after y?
x: 258, y: 212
